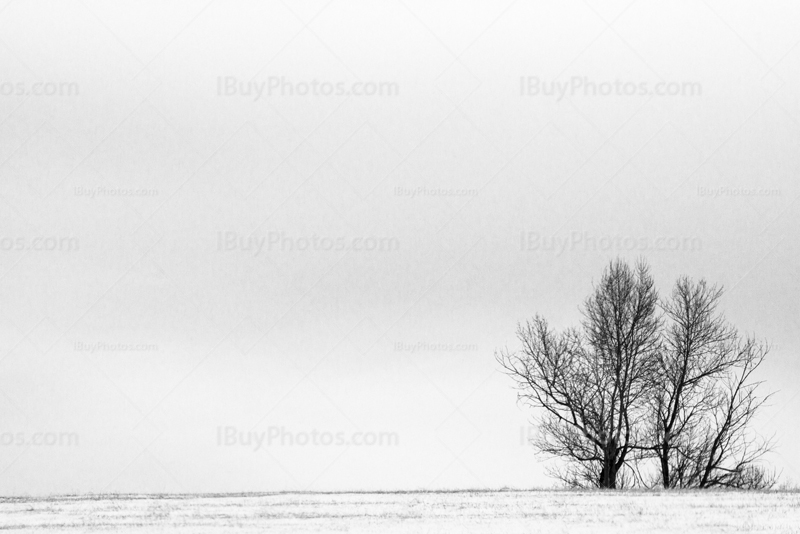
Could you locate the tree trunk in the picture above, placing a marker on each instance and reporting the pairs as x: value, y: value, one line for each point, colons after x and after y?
x: 608, y: 475
x: 665, y: 475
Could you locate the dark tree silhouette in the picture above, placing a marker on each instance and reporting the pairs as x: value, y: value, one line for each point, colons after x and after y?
x: 703, y: 400
x: 592, y: 383
x: 641, y: 380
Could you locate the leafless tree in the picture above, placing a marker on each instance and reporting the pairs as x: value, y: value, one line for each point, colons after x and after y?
x: 698, y: 348
x: 703, y: 398
x: 631, y: 384
x: 723, y: 451
x: 592, y: 383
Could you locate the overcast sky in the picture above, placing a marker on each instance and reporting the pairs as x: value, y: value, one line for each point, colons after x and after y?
x: 262, y: 246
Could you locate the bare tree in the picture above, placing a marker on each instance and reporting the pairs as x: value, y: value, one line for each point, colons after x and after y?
x: 630, y: 384
x: 592, y: 383
x: 697, y: 348
x: 703, y: 400
x: 727, y: 452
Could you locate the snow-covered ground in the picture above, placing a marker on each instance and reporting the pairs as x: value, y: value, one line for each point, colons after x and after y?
x: 385, y: 513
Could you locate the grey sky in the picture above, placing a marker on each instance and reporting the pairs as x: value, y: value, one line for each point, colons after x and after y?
x: 201, y: 237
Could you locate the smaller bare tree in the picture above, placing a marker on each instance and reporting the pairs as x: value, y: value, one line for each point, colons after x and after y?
x: 728, y: 453
x: 704, y: 399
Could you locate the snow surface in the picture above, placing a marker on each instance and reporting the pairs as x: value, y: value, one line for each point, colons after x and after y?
x: 463, y: 512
